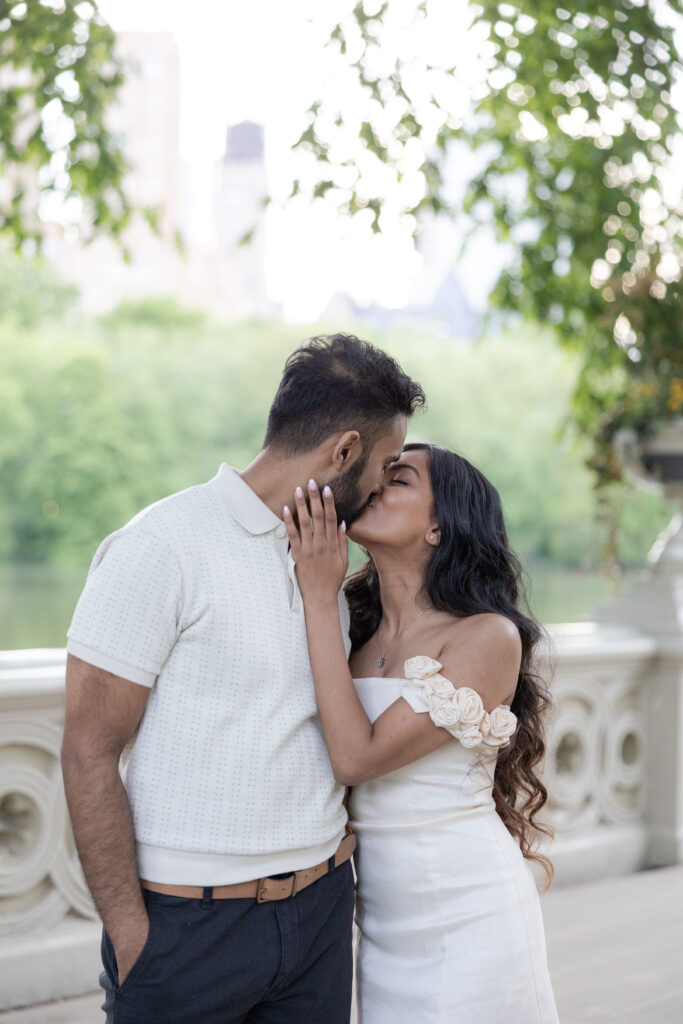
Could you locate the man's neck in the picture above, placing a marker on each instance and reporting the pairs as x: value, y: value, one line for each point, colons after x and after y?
x: 274, y: 479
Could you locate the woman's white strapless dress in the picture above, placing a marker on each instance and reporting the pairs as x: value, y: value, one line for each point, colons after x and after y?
x: 449, y: 916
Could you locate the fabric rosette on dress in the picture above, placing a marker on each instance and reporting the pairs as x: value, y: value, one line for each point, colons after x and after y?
x: 459, y: 710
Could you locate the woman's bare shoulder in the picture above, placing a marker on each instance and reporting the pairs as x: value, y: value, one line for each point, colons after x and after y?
x: 491, y: 628
x: 485, y: 652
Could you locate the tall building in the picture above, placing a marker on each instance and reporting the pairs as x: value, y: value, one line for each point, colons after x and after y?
x: 239, y: 212
x: 147, y: 117
x: 222, y: 278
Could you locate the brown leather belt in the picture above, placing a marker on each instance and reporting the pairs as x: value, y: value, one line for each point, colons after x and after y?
x: 263, y: 890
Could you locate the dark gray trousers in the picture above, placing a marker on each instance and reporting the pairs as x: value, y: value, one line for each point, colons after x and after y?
x: 239, y: 962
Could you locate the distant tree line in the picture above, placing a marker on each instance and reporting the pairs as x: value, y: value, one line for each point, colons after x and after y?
x: 101, y: 417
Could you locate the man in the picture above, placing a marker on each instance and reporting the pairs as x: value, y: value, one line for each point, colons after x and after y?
x: 219, y: 865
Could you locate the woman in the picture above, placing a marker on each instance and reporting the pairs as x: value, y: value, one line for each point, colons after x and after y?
x: 438, y: 734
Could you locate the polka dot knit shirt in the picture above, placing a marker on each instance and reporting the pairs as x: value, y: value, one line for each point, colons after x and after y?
x: 228, y: 778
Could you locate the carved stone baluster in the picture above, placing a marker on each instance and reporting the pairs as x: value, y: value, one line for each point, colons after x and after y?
x: 655, y: 604
x: 47, y: 917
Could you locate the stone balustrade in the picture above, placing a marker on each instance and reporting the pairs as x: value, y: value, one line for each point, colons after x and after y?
x: 49, y: 933
x: 596, y: 751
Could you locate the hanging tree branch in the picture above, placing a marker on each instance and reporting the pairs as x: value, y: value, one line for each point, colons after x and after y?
x: 573, y: 119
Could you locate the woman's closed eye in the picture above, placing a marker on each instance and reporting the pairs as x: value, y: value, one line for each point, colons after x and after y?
x: 403, y: 483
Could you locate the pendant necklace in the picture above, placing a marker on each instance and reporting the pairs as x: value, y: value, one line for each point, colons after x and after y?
x: 382, y: 660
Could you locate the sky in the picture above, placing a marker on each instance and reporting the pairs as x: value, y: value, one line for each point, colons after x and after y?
x: 263, y: 60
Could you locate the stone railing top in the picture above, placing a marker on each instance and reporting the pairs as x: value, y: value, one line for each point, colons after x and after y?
x: 33, y: 658
x: 32, y: 678
x: 27, y: 688
x: 26, y: 675
x: 573, y: 642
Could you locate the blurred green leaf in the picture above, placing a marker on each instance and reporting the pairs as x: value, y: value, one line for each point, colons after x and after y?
x: 60, y: 76
x: 574, y: 127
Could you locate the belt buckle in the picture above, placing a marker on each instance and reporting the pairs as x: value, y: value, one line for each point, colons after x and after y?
x: 262, y: 889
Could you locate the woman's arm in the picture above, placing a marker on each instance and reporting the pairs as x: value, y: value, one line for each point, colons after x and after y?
x: 358, y: 749
x: 481, y: 653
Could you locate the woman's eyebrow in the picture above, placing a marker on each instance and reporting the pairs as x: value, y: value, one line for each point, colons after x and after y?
x: 404, y: 465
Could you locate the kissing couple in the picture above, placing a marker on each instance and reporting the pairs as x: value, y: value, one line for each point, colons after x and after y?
x: 242, y: 719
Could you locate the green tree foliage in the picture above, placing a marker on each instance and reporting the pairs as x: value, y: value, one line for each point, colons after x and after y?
x: 59, y: 76
x: 97, y: 421
x: 153, y: 311
x: 31, y: 292
x: 573, y: 122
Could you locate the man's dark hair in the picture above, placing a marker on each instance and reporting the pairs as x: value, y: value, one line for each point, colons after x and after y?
x: 338, y: 382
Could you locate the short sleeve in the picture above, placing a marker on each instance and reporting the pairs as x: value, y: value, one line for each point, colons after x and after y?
x: 127, y: 618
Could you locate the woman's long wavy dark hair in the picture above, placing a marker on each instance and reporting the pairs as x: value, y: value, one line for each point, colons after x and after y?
x: 473, y: 570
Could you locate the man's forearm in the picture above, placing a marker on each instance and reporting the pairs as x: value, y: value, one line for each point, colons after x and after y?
x: 103, y: 831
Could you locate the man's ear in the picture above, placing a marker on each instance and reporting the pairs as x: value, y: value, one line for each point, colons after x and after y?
x: 348, y: 447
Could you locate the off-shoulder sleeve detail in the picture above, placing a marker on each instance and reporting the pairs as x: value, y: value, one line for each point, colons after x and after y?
x: 459, y: 710
x: 421, y: 667
x: 414, y: 694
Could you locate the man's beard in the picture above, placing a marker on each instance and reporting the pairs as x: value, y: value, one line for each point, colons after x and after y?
x: 348, y: 499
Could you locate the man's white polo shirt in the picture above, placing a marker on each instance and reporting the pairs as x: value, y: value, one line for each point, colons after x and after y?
x: 228, y: 778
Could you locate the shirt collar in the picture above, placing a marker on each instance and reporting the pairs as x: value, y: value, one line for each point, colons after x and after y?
x: 245, y: 505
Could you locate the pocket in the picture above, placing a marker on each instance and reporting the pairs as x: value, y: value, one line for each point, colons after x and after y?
x: 144, y: 954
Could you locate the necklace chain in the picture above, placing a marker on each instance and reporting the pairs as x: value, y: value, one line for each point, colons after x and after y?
x: 382, y: 660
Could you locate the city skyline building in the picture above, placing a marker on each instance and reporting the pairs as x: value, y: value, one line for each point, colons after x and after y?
x: 239, y: 210
x: 212, y: 204
x: 216, y: 275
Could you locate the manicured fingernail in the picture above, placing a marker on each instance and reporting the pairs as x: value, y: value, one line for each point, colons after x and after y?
x: 287, y: 512
x: 344, y: 525
x: 312, y: 485
x: 327, y: 491
x: 299, y: 492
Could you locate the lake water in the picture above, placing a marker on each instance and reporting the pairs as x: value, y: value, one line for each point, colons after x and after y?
x: 36, y: 602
